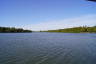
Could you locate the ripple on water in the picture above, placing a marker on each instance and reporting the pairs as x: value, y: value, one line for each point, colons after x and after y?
x: 47, y: 48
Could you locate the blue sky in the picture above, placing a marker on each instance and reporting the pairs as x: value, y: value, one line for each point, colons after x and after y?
x: 47, y: 14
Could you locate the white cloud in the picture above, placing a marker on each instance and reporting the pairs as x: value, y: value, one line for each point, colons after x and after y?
x: 88, y: 20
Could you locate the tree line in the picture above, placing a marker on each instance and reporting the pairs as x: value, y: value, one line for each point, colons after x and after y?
x: 12, y: 30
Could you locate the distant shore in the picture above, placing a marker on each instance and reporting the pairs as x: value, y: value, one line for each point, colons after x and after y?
x: 13, y: 30
x: 83, y: 29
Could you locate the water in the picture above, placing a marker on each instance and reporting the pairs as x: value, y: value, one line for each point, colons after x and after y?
x: 47, y: 48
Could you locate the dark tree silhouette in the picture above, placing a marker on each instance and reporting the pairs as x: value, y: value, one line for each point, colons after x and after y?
x: 12, y: 30
x: 92, y: 0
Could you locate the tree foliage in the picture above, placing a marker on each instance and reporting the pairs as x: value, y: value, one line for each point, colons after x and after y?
x: 12, y: 30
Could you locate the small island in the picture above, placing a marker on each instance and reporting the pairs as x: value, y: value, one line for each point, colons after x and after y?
x: 13, y: 30
x: 83, y: 29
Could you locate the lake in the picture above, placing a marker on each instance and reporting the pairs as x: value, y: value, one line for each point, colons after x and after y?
x: 47, y: 48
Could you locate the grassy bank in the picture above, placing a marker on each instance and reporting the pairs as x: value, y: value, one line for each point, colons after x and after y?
x: 83, y: 29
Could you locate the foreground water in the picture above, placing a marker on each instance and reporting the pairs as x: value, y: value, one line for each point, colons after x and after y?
x: 47, y: 48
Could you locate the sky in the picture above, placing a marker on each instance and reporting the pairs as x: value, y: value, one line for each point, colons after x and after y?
x: 47, y: 14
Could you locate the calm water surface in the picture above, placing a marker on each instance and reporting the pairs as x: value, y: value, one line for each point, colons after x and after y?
x: 47, y: 48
